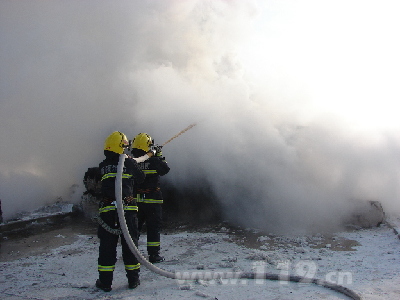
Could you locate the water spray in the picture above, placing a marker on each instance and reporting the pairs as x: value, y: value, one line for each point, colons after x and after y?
x: 199, y: 275
x: 179, y: 133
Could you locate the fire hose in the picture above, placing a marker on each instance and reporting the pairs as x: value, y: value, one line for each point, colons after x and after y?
x: 198, y: 275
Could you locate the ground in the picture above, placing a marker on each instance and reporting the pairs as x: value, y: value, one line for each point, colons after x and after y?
x: 59, y: 261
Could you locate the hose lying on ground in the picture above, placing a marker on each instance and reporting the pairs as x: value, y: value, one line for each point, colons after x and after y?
x: 198, y: 275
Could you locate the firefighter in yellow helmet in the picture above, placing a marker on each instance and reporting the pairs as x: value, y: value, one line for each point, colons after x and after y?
x: 149, y: 197
x: 109, y: 231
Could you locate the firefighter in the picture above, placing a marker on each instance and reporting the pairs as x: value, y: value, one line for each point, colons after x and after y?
x: 109, y: 231
x: 149, y: 197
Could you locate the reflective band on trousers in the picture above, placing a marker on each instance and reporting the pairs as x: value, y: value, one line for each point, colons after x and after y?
x: 112, y: 207
x: 153, y: 244
x: 130, y: 207
x: 132, y: 267
x: 106, y: 268
x: 110, y: 175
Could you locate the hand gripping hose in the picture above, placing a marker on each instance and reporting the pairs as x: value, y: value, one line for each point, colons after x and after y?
x: 198, y: 275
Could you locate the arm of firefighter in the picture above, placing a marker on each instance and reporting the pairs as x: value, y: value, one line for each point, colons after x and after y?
x: 161, y: 166
x: 141, y: 158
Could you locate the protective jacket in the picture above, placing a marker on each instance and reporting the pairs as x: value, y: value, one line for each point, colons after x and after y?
x: 149, y: 190
x: 131, y: 175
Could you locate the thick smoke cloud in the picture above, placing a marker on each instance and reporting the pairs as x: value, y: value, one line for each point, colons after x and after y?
x: 294, y: 105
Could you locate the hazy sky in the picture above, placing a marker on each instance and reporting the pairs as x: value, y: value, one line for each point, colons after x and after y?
x: 296, y: 102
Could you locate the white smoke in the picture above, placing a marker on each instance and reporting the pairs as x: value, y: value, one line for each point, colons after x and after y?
x: 294, y: 104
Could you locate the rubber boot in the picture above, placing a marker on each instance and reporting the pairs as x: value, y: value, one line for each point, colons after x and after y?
x: 155, y: 258
x: 105, y: 280
x: 100, y: 285
x: 133, y: 278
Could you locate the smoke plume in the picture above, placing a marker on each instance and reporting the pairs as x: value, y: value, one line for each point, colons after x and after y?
x: 295, y: 105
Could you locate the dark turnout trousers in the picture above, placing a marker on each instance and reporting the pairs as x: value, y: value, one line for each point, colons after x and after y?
x: 108, y: 247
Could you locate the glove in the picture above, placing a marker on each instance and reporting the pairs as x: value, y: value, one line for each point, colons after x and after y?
x: 152, y: 150
x: 158, y: 151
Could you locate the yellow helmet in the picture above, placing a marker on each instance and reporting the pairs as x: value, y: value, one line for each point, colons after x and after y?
x: 116, y: 142
x: 142, y: 141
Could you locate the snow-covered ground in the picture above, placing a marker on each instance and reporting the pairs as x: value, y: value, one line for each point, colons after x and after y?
x: 366, y: 261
